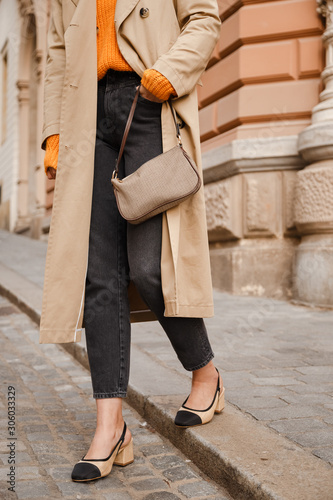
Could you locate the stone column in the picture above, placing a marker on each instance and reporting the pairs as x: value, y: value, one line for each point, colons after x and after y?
x: 23, y: 217
x: 313, y: 266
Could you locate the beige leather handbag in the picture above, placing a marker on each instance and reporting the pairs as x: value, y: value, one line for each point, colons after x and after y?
x: 157, y: 185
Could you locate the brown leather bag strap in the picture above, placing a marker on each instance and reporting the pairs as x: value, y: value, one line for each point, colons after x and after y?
x: 128, y: 125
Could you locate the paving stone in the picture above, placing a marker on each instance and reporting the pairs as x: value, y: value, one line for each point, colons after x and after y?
x: 79, y: 380
x: 62, y: 473
x: 63, y: 427
x: 269, y: 391
x: 155, y: 450
x: 32, y: 489
x: 149, y: 484
x: 275, y: 381
x: 138, y: 459
x: 52, y: 459
x: 85, y: 416
x: 39, y: 436
x: 276, y: 372
x: 288, y: 412
x: 161, y: 495
x: 28, y: 472
x: 73, y: 488
x: 328, y: 420
x: 197, y: 489
x: 310, y: 389
x: 166, y: 462
x: 21, y: 458
x: 257, y: 402
x: 179, y: 473
x: 304, y: 399
x: 144, y: 438
x: 19, y: 446
x: 316, y: 370
x: 71, y: 437
x: 134, y: 470
x: 64, y: 388
x: 45, y: 447
x: 298, y: 425
x: 314, y: 439
x: 318, y: 379
x: 36, y: 428
x: 324, y: 453
x: 111, y: 482
x: 118, y: 495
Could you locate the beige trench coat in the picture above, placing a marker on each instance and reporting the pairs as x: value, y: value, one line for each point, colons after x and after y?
x: 177, y: 39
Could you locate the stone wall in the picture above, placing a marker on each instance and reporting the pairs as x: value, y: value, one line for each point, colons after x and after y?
x: 257, y: 96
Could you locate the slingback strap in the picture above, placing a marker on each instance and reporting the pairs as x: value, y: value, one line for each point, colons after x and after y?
x: 128, y: 125
x: 119, y: 444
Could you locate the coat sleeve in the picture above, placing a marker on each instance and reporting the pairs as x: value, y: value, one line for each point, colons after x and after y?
x: 187, y: 59
x: 54, y: 73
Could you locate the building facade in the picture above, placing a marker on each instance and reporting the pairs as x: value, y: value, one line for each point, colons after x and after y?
x: 23, y: 33
x: 265, y: 113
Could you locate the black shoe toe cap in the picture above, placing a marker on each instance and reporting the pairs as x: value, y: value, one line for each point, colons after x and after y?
x: 84, y: 471
x: 187, y: 418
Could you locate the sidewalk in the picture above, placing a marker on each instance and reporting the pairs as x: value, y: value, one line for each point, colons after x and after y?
x: 275, y: 438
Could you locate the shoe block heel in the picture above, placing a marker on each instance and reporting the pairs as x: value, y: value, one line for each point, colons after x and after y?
x: 220, y: 403
x: 126, y: 455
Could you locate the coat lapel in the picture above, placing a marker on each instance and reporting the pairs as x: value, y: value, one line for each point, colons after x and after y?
x: 123, y: 10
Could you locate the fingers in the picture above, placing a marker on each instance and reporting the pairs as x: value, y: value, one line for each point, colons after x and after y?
x: 149, y: 95
x: 51, y: 173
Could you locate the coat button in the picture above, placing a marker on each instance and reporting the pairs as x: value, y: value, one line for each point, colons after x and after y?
x: 144, y: 12
x: 97, y: 29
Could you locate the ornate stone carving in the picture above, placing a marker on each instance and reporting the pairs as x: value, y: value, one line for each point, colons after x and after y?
x: 262, y: 216
x: 325, y: 9
x: 314, y: 195
x: 218, y: 206
x: 24, y: 91
x: 26, y: 7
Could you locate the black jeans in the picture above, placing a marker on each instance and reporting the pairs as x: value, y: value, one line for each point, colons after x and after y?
x: 119, y: 251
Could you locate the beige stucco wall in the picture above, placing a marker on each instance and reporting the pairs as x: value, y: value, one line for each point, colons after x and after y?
x: 264, y: 78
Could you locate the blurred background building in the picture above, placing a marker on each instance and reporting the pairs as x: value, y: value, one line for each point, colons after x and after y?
x: 266, y: 117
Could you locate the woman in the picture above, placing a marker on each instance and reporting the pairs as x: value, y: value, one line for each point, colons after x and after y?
x: 93, y: 254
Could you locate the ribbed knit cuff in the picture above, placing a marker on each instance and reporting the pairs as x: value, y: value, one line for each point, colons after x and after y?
x: 51, y: 152
x: 157, y: 84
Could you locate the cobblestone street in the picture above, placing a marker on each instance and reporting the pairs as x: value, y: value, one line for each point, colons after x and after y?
x: 55, y: 418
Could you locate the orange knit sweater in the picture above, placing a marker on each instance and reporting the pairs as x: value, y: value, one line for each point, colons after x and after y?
x: 109, y: 56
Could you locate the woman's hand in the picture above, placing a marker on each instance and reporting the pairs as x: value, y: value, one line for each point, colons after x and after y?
x: 148, y: 95
x: 51, y: 173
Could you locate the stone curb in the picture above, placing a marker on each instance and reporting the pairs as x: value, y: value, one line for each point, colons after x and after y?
x: 250, y: 460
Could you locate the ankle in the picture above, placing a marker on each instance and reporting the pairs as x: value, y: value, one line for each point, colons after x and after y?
x: 205, y: 375
x: 109, y: 414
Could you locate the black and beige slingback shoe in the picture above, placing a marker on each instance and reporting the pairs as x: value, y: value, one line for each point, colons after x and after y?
x: 188, y: 417
x: 87, y: 470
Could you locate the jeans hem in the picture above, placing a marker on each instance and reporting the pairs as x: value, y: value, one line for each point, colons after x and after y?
x: 201, y: 365
x: 101, y: 395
